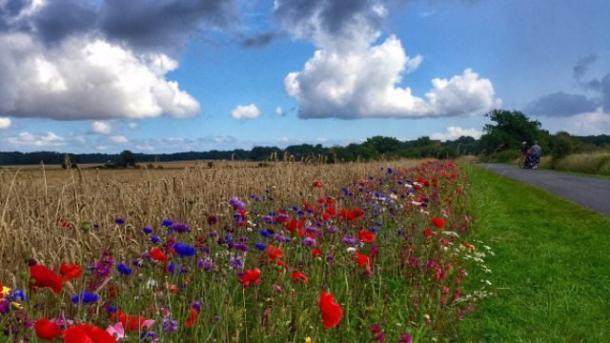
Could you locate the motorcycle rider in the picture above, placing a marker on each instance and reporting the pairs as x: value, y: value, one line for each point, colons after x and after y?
x: 534, y: 153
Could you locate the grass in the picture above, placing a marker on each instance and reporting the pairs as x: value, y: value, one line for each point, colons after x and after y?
x: 590, y: 163
x: 550, y: 269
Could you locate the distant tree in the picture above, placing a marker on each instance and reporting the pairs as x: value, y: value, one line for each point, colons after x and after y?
x: 126, y: 159
x: 510, y: 129
x: 562, y: 145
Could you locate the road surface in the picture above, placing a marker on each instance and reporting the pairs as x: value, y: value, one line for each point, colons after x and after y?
x: 587, y: 191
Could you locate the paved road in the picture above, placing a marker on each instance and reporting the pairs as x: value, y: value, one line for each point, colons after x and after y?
x: 587, y: 191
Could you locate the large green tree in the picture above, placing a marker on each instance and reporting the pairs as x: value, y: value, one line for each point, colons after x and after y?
x: 509, y: 129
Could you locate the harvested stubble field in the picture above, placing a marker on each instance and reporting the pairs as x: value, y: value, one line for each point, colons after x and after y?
x: 238, y: 252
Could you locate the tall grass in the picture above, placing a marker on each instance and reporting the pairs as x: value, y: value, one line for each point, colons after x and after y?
x: 591, y: 163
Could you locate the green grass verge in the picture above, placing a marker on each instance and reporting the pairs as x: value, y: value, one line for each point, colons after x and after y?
x: 551, y: 268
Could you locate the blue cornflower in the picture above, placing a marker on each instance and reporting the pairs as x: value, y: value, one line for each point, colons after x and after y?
x: 228, y: 238
x: 167, y: 222
x: 123, y: 269
x: 119, y: 221
x: 184, y: 250
x: 147, y: 230
x: 85, y: 298
x: 171, y: 267
x: 260, y: 246
x: 266, y: 233
x: 18, y: 295
x: 155, y: 239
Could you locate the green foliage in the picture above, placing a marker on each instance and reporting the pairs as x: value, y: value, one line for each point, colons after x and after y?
x: 510, y: 129
x: 562, y: 145
x: 126, y: 159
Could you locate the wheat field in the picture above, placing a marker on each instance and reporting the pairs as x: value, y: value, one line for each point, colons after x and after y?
x: 46, y: 211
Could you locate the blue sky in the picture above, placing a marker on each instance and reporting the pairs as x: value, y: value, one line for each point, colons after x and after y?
x: 519, y: 52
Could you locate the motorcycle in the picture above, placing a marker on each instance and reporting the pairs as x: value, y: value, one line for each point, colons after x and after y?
x: 531, y: 162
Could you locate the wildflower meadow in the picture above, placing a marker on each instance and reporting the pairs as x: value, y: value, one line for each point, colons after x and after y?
x: 285, y: 253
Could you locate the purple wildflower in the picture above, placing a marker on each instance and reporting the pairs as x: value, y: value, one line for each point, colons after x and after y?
x: 237, y: 204
x: 309, y: 241
x: 180, y: 228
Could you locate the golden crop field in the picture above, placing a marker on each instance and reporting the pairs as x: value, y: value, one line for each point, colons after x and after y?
x: 46, y: 211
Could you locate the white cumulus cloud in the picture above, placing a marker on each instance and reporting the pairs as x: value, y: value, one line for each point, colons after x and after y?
x: 280, y: 111
x: 246, y: 112
x: 101, y: 127
x: 27, y: 139
x: 5, y: 123
x: 455, y: 132
x: 86, y: 78
x: 362, y: 83
x: 118, y: 139
x: 354, y: 75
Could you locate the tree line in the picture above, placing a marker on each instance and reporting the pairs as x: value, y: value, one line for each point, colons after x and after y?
x: 500, y: 142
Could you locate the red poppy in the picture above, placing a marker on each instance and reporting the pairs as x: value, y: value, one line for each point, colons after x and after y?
x: 317, y: 184
x: 274, y: 253
x: 157, y: 255
x: 332, y: 313
x: 87, y: 333
x: 46, y: 329
x: 428, y: 232
x: 250, y: 276
x: 192, y: 318
x: 293, y: 225
x: 130, y: 322
x: 438, y: 222
x: 41, y: 276
x: 363, y: 261
x: 299, y: 277
x: 351, y: 214
x: 316, y: 252
x: 70, y: 271
x: 366, y: 236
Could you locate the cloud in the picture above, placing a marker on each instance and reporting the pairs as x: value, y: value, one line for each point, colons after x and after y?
x: 582, y: 66
x: 455, y: 132
x: 5, y: 123
x: 86, y: 78
x: 26, y: 139
x: 246, y: 112
x: 259, y: 40
x: 590, y: 123
x: 365, y: 83
x: 132, y: 126
x: 101, y: 127
x: 597, y: 98
x: 118, y: 139
x: 280, y: 111
x: 166, y: 24
x: 352, y: 76
x: 561, y: 104
x: 141, y: 24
